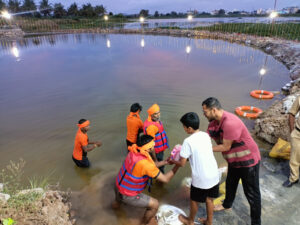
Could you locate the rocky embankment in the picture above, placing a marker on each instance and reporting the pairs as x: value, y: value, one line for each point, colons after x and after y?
x: 11, y: 33
x: 36, y: 206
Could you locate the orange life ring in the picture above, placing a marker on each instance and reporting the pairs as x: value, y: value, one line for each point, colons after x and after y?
x: 241, y: 111
x: 262, y: 94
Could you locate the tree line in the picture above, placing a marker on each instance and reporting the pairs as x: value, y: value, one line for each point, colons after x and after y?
x: 46, y: 9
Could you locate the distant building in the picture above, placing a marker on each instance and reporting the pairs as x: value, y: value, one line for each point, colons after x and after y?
x: 290, y: 10
x: 260, y: 12
x: 215, y: 12
x: 192, y: 12
x: 244, y: 13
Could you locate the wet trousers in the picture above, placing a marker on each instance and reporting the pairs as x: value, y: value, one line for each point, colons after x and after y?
x: 160, y: 157
x: 250, y: 182
x: 85, y: 163
x: 295, y: 155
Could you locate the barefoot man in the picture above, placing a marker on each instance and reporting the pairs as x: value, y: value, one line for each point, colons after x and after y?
x: 241, y: 153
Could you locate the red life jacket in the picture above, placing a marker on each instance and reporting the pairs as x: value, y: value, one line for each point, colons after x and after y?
x: 128, y: 184
x: 161, y: 139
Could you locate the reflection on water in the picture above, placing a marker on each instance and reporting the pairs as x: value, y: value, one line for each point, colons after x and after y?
x: 61, y: 79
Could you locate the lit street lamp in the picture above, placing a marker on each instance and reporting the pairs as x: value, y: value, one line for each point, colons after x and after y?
x: 6, y: 15
x: 105, y: 17
x: 262, y: 71
x: 273, y: 15
x: 190, y: 17
x: 142, y: 19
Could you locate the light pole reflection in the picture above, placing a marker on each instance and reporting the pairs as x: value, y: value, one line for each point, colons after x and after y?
x: 188, y: 49
x: 142, y: 43
x: 262, y: 72
x: 15, y: 52
x: 108, y: 43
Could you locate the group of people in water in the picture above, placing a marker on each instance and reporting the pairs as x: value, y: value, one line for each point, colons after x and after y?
x: 147, y: 142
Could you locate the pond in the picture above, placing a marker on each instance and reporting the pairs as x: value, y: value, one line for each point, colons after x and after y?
x: 48, y: 83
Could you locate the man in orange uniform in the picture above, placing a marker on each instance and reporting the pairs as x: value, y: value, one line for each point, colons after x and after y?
x: 134, y: 124
x: 81, y: 147
x: 134, y: 176
x: 154, y: 127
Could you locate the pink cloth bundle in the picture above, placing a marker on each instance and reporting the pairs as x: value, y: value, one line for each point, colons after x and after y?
x: 175, y: 154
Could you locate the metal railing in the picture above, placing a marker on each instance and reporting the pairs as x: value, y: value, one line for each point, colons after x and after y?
x: 285, y: 29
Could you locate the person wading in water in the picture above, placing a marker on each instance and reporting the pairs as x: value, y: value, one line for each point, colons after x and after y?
x: 136, y: 173
x: 83, y: 145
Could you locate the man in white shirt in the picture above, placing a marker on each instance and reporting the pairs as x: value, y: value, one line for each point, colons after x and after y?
x: 197, y: 148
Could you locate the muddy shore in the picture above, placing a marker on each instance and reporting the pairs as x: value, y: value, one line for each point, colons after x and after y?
x: 52, y: 208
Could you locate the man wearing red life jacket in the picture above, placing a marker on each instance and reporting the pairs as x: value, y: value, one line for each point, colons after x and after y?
x: 136, y: 173
x: 154, y: 127
x: 81, y: 143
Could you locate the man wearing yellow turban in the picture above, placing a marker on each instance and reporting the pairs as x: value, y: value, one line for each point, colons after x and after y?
x: 136, y: 173
x: 154, y: 127
x: 81, y: 143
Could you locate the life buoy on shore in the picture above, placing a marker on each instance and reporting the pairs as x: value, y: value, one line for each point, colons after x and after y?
x: 241, y: 111
x: 261, y: 94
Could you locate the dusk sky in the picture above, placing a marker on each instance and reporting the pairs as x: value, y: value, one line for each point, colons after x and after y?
x: 134, y: 6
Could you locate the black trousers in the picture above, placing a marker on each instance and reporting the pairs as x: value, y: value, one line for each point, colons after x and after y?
x: 250, y: 181
x: 160, y: 157
x: 85, y: 163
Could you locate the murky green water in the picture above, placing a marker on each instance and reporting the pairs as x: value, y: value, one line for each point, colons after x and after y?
x: 49, y: 83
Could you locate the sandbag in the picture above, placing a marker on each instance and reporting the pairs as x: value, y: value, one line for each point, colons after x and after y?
x: 221, y: 171
x: 186, y: 182
x: 282, y: 149
x: 168, y: 215
x: 220, y: 199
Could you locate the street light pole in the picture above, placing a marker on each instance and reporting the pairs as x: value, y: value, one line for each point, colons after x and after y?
x: 275, y: 3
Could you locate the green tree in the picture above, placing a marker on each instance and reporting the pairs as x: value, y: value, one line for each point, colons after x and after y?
x: 120, y: 16
x: 73, y: 10
x: 174, y: 14
x: 100, y: 10
x: 2, y: 4
x: 14, y: 6
x: 28, y: 5
x: 156, y: 14
x: 221, y: 12
x: 144, y: 13
x: 87, y: 10
x: 59, y: 11
x: 45, y: 8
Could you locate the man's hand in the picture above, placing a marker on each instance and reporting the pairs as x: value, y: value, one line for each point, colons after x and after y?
x: 170, y: 161
x: 98, y: 143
